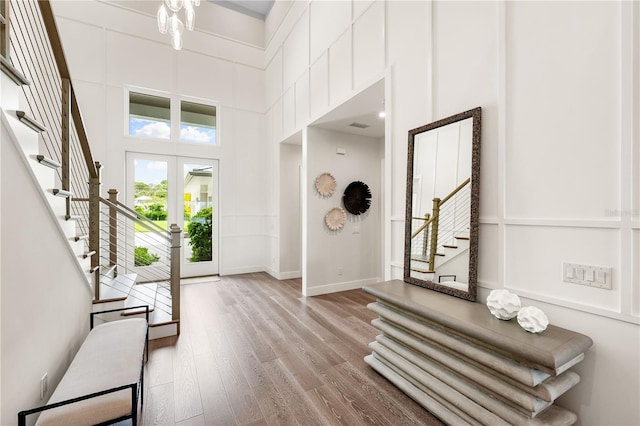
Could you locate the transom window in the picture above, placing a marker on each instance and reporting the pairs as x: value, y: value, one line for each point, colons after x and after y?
x: 172, y: 118
x: 197, y: 122
x: 149, y: 116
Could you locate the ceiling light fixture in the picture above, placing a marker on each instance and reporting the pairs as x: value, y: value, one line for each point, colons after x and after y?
x: 172, y: 24
x: 382, y: 114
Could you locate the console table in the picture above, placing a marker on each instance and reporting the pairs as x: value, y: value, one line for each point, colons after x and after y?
x: 466, y: 366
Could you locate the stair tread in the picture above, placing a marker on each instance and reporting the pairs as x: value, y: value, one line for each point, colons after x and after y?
x: 119, y: 285
x: 30, y: 122
x: 159, y: 317
x: 46, y: 161
x: 420, y: 258
x: 424, y: 271
x: 62, y: 193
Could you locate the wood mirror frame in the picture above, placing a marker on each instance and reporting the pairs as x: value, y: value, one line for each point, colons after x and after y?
x: 452, y: 189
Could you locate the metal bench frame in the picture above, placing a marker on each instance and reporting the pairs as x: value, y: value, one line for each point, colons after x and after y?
x: 135, y: 387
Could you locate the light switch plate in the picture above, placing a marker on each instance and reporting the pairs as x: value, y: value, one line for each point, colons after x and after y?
x: 589, y: 275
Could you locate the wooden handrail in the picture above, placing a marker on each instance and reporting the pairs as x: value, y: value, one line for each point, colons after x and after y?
x: 434, y: 222
x: 135, y: 218
x: 419, y: 230
x: 445, y: 199
x: 63, y: 69
x: 143, y: 218
x: 455, y: 191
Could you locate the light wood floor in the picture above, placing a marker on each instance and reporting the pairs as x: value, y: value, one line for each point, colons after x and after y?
x: 253, y: 351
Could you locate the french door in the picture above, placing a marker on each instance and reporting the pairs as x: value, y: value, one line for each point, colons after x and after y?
x: 184, y: 191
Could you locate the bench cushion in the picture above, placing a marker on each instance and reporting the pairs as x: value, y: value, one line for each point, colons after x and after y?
x: 111, y: 356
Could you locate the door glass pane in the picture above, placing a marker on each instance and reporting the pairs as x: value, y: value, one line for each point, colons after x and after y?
x: 197, y: 122
x: 198, y: 212
x: 150, y: 200
x: 149, y: 116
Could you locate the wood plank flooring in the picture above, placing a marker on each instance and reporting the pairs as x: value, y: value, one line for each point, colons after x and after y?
x: 254, y: 351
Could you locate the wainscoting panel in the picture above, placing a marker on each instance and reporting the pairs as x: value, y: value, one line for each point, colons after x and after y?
x: 534, y: 256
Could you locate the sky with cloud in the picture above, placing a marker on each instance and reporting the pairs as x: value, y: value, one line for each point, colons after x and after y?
x: 161, y: 130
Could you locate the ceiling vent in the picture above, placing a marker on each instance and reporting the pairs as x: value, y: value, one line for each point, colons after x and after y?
x: 359, y: 125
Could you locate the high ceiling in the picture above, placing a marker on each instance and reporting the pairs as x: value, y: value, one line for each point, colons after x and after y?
x: 256, y: 8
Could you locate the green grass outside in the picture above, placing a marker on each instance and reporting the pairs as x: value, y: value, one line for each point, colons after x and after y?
x: 161, y: 223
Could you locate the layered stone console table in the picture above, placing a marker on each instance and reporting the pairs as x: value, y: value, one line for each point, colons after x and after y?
x: 467, y: 367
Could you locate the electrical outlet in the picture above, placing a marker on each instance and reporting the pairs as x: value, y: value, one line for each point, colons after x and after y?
x: 44, y: 385
x: 339, y: 270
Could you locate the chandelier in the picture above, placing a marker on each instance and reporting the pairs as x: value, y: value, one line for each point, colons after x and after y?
x: 172, y: 24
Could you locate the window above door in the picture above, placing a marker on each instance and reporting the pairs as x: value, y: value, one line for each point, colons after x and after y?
x: 173, y: 118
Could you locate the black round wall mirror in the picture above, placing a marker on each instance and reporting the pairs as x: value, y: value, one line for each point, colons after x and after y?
x: 357, y: 198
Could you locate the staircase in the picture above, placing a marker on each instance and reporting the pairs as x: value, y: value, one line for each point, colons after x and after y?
x: 440, y: 240
x: 446, y: 263
x: 41, y: 114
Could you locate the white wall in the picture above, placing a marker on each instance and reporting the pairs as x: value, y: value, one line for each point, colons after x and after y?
x: 109, y: 48
x: 558, y: 83
x: 559, y: 86
x: 290, y: 212
x: 350, y: 257
x: 45, y: 297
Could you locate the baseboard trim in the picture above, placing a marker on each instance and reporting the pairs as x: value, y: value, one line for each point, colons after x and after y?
x: 289, y: 275
x: 336, y: 287
x: 242, y: 270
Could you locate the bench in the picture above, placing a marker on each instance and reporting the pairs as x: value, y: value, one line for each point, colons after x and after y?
x: 102, y: 384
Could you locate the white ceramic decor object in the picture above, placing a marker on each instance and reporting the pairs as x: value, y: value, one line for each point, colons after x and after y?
x: 503, y: 304
x: 532, y: 319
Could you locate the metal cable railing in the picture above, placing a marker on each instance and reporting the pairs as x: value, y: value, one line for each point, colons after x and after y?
x: 112, y: 230
x: 449, y: 221
x: 454, y: 218
x: 133, y: 244
x: 32, y: 52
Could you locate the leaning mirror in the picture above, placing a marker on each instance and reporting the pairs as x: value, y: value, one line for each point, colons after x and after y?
x: 441, y: 228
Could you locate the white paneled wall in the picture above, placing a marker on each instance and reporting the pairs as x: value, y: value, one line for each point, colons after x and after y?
x: 296, y: 51
x: 274, y: 78
x: 302, y: 100
x: 534, y: 262
x: 124, y: 65
x: 368, y: 44
x: 573, y: 53
x: 327, y: 21
x: 319, y: 85
x: 110, y: 48
x: 559, y: 86
x: 205, y: 77
x: 340, y: 69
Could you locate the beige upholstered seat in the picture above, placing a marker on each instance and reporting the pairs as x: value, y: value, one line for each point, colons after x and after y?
x: 111, y: 356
